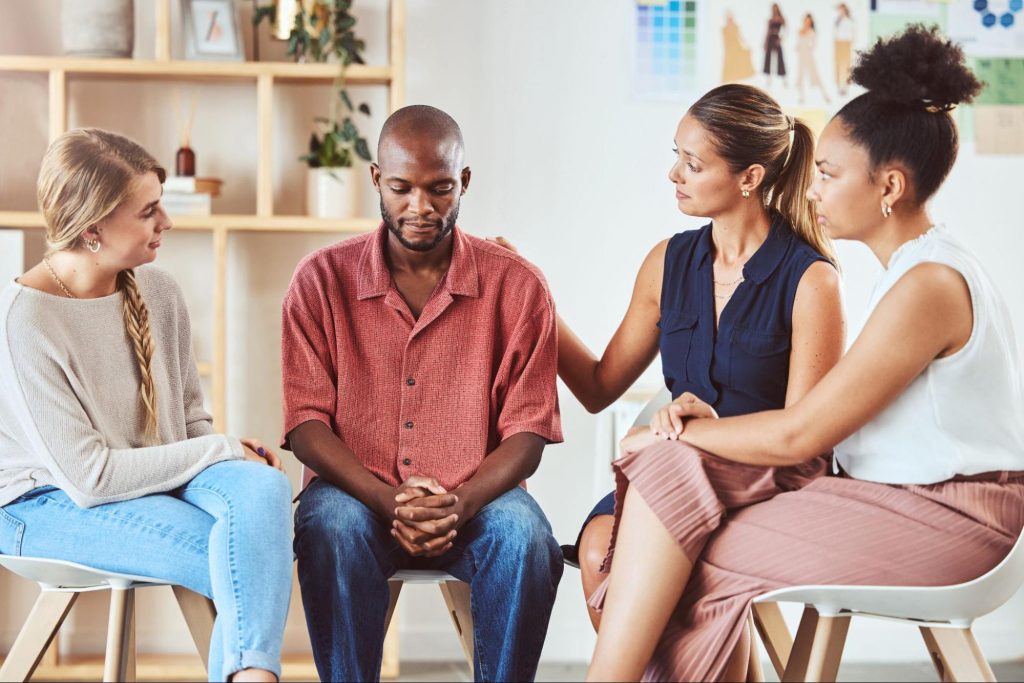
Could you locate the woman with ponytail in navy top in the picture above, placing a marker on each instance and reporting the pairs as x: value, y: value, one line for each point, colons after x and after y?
x: 745, y: 311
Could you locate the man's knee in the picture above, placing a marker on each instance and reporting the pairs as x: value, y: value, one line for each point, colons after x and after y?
x: 515, y: 523
x: 328, y: 518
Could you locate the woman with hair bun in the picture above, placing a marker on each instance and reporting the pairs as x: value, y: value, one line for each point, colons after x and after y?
x: 107, y: 457
x: 922, y: 412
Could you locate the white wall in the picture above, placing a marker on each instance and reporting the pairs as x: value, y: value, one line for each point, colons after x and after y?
x: 565, y: 164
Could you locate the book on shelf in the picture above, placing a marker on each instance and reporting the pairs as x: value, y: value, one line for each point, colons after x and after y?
x: 183, y: 204
x: 191, y: 184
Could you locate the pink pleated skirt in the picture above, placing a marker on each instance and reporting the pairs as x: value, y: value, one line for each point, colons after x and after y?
x: 749, y: 530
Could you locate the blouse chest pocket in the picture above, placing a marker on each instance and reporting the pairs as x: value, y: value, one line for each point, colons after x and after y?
x: 759, y: 363
x: 676, y: 341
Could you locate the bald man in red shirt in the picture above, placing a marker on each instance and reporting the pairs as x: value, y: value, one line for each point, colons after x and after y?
x: 419, y: 371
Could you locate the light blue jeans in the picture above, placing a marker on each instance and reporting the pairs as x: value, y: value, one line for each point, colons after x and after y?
x: 225, y: 534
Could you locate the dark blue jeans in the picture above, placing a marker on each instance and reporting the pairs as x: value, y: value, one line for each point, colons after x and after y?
x: 346, y: 554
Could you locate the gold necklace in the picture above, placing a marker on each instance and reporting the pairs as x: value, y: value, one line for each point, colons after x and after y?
x: 63, y: 287
x: 727, y: 284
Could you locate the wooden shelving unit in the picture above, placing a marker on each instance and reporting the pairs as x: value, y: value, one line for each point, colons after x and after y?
x: 264, y: 75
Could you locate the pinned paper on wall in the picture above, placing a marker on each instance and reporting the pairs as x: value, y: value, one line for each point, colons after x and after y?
x: 990, y: 28
x: 889, y: 17
x: 999, y: 129
x: 998, y: 114
x: 1003, y: 78
x: 798, y: 51
x: 665, y: 49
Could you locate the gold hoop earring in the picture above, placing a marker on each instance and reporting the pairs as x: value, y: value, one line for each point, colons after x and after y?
x: 746, y: 193
x: 886, y: 210
x: 93, y: 245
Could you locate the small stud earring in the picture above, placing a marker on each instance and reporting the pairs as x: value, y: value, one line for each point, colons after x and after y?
x: 746, y: 193
x: 886, y: 210
x: 93, y: 245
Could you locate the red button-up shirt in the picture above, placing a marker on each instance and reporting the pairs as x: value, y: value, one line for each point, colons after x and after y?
x: 428, y: 396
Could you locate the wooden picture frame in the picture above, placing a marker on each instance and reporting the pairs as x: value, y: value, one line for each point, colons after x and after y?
x: 212, y: 30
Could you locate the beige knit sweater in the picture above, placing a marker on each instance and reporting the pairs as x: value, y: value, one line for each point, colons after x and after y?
x: 70, y: 411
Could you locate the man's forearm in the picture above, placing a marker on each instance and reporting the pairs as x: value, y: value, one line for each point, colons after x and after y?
x: 507, y: 465
x: 320, y: 449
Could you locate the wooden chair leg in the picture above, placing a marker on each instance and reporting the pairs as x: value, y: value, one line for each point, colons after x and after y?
x: 396, y: 590
x: 818, y: 647
x: 457, y: 598
x: 129, y: 674
x: 199, y: 614
x: 778, y: 643
x: 956, y: 654
x: 122, y: 610
x: 754, y: 672
x: 45, y: 619
x: 390, y: 666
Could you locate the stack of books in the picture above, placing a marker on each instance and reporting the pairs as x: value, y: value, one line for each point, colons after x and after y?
x: 189, y: 196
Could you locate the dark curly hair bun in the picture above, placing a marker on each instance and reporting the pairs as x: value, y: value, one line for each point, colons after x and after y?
x: 917, y: 65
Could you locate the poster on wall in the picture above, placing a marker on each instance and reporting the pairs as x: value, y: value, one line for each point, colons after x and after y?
x: 998, y: 121
x: 800, y: 51
x: 892, y: 16
x: 988, y: 28
x: 665, y: 49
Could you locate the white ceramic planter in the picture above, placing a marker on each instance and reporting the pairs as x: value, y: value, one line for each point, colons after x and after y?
x: 331, y: 192
x: 97, y: 28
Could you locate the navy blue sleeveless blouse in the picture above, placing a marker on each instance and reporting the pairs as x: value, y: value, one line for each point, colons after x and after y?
x: 744, y: 368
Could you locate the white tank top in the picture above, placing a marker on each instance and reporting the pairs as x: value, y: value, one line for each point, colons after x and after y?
x: 965, y: 413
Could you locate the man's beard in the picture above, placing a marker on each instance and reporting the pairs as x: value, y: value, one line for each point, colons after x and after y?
x: 446, y: 228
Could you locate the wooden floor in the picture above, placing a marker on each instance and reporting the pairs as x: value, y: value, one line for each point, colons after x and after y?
x: 182, y: 668
x: 161, y: 668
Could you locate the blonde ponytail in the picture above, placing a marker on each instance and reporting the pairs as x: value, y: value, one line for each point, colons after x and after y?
x: 86, y: 174
x: 789, y: 193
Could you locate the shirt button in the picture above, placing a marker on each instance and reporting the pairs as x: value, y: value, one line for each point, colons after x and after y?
x: 407, y: 461
x: 410, y: 381
x: 408, y: 425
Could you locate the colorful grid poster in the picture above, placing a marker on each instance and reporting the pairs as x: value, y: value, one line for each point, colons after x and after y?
x: 665, y: 51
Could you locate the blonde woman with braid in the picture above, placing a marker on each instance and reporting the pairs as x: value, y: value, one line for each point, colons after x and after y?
x: 107, y: 456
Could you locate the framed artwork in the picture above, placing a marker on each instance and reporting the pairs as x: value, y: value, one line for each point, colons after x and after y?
x: 211, y: 30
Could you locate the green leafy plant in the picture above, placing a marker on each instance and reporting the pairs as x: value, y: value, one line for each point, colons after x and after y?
x: 337, y: 141
x: 325, y: 29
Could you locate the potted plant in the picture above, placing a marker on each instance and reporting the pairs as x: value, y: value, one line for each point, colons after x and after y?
x: 320, y: 30
x: 331, y: 181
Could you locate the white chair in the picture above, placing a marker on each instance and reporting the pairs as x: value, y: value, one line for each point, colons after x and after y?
x: 944, y: 615
x: 456, y: 597
x: 61, y: 583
